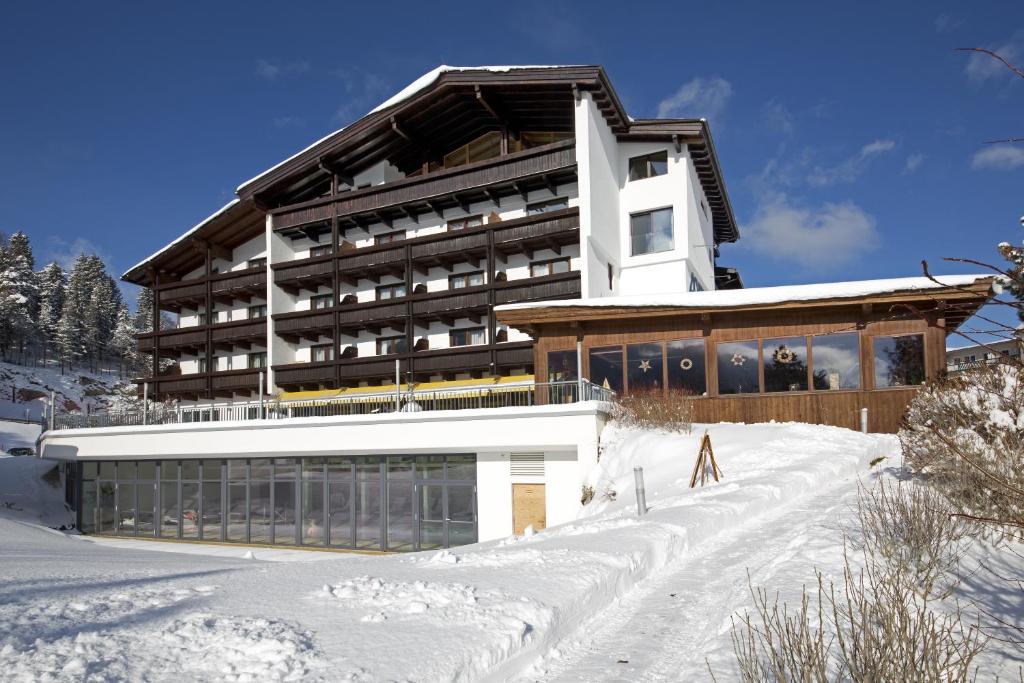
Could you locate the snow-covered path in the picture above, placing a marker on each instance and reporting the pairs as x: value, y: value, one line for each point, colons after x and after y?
x: 679, y: 620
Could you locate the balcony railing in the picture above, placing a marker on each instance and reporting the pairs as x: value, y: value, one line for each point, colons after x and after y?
x: 402, y: 400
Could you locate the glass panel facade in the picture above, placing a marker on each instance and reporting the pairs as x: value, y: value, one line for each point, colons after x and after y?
x: 899, y: 361
x: 836, y: 361
x: 606, y: 367
x: 645, y: 368
x: 686, y: 371
x: 785, y: 364
x: 737, y: 368
x: 394, y: 502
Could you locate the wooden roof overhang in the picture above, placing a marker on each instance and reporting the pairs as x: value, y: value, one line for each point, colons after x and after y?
x: 456, y: 108
x: 956, y: 304
x: 696, y: 135
x: 234, y: 226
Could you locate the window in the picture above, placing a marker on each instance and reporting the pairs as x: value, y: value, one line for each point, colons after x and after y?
x: 389, y: 345
x: 644, y: 368
x: 258, y: 359
x: 685, y: 361
x: 394, y: 291
x: 322, y: 250
x: 785, y: 364
x: 550, y: 205
x: 321, y: 353
x: 836, y: 361
x: 899, y: 361
x: 257, y: 311
x: 468, y: 337
x: 467, y: 222
x: 463, y: 280
x: 487, y: 146
x: 257, y: 262
x: 202, y: 364
x: 201, y: 317
x: 550, y: 267
x: 737, y: 368
x: 562, y: 366
x: 320, y: 302
x: 606, y: 367
x: 648, y: 165
x: 530, y: 139
x: 650, y: 232
x: 388, y: 237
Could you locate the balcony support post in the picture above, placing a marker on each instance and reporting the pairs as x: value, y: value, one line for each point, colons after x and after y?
x: 398, y: 385
x: 145, y: 403
x: 579, y: 370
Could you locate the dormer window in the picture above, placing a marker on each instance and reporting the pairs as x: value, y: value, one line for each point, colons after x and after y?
x: 648, y: 165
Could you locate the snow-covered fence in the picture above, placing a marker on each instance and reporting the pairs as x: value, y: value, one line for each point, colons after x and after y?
x: 463, y: 398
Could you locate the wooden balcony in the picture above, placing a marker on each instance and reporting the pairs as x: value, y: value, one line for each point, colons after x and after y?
x: 470, y: 248
x: 512, y: 174
x: 179, y: 340
x: 452, y: 304
x: 558, y: 286
x: 373, y: 316
x: 224, y: 383
x: 239, y: 333
x: 553, y: 230
x: 308, y: 274
x: 178, y: 295
x: 304, y: 325
x: 227, y: 382
x: 304, y: 374
x: 370, y: 263
x: 242, y: 285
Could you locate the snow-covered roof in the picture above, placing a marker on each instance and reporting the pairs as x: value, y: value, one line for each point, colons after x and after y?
x: 421, y: 83
x: 216, y: 214
x: 760, y: 296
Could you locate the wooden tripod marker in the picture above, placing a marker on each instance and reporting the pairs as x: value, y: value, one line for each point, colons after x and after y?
x: 704, y: 457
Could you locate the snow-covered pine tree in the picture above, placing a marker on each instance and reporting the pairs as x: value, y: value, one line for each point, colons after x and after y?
x: 101, y: 313
x: 1014, y: 283
x: 53, y: 283
x: 18, y: 297
x: 144, y: 310
x: 124, y: 341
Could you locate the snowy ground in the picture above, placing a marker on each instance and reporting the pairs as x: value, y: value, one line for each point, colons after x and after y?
x: 75, y: 390
x: 608, y: 597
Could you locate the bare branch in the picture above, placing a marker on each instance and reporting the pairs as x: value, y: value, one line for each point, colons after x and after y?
x: 993, y: 55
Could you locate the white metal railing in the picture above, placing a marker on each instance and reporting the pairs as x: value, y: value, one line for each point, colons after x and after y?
x: 462, y: 398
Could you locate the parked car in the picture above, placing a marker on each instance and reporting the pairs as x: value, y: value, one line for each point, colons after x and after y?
x: 21, y: 450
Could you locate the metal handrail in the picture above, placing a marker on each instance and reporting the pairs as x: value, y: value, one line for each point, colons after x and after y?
x: 399, y: 400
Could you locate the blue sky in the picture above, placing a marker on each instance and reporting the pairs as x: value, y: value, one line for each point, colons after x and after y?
x: 851, y: 135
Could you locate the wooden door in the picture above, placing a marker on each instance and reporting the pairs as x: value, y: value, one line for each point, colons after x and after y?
x: 528, y: 507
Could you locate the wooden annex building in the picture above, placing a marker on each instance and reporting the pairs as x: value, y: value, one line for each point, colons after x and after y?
x: 809, y: 353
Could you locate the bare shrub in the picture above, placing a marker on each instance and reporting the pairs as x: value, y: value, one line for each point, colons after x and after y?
x: 911, y: 529
x: 885, y: 622
x: 671, y: 411
x: 965, y: 436
x: 586, y: 494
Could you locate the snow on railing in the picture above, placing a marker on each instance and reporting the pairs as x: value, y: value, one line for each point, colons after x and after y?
x: 463, y: 398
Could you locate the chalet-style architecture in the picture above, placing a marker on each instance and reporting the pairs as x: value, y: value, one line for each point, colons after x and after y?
x: 962, y: 358
x: 394, y: 238
x: 407, y: 335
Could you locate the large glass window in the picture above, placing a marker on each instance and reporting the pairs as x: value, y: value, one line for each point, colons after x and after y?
x: 463, y: 280
x: 562, y: 366
x: 284, y: 501
x: 401, y: 503
x: 260, y: 515
x: 486, y: 146
x: 90, y: 507
x: 686, y: 371
x: 645, y: 368
x: 468, y: 337
x: 237, y: 504
x: 146, y: 502
x: 737, y: 368
x: 648, y: 165
x: 899, y: 361
x: 368, y: 503
x: 340, y: 482
x: 389, y: 345
x: 313, y: 528
x: 785, y: 364
x: 651, y: 232
x: 126, y: 508
x: 170, y: 510
x: 606, y: 367
x: 836, y: 361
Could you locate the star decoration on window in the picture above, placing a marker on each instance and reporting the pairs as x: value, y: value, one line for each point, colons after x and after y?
x: 738, y: 359
x: 645, y: 365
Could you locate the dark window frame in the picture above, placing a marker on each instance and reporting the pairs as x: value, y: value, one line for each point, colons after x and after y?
x: 258, y: 262
x: 546, y: 205
x: 316, y: 299
x: 400, y: 338
x: 329, y: 348
x: 467, y: 331
x: 379, y: 288
x: 644, y: 165
x: 465, y: 276
x: 548, y: 262
x: 448, y: 226
x: 320, y: 250
x: 256, y: 355
x: 389, y: 237
x: 256, y: 307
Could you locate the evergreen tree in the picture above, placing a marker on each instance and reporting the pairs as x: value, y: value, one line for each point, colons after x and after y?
x: 123, y: 341
x: 18, y: 295
x: 53, y: 283
x: 1014, y: 283
x: 144, y: 310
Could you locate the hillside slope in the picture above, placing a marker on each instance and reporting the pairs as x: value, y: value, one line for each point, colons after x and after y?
x: 25, y: 390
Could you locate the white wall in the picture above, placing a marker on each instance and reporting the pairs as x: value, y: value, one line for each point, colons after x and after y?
x: 599, y: 184
x: 567, y: 435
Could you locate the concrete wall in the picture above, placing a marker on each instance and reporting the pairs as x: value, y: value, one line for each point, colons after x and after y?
x: 567, y: 435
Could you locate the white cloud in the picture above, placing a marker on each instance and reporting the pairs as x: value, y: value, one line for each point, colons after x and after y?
x: 64, y: 252
x: 363, y: 90
x: 288, y: 121
x: 1006, y: 156
x: 700, y: 98
x: 817, y: 238
x: 945, y: 23
x: 778, y: 117
x: 272, y: 70
x: 913, y: 163
x: 850, y: 169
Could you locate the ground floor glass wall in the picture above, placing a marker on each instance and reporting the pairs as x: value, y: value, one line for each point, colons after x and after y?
x: 394, y: 502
